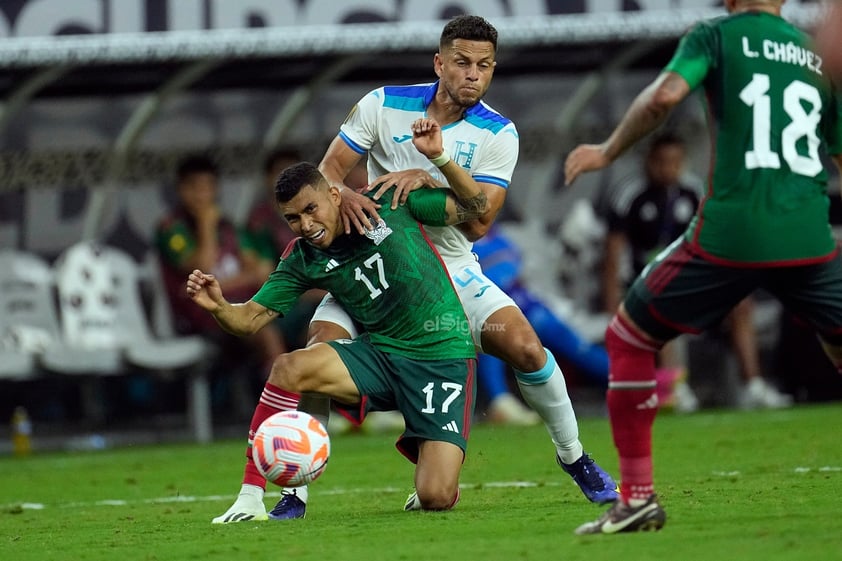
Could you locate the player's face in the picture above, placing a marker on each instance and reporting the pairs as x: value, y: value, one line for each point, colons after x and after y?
x: 465, y: 70
x: 197, y: 192
x: 665, y: 164
x: 313, y: 214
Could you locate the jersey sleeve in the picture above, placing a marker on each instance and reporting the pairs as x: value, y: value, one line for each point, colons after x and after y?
x: 359, y: 130
x: 695, y: 55
x: 428, y: 206
x: 502, y: 153
x: 284, y: 286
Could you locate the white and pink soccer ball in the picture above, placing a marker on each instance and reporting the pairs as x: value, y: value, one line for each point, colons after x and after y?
x: 291, y: 448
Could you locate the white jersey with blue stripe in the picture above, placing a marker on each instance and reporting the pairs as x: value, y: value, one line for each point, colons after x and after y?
x: 483, y: 142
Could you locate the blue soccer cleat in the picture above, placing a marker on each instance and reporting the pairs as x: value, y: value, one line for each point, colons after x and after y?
x: 289, y: 507
x: 595, y: 483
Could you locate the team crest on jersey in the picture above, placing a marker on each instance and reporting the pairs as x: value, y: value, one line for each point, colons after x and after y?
x: 379, y: 233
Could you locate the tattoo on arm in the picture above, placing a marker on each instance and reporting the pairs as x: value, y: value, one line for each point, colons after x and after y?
x: 468, y: 209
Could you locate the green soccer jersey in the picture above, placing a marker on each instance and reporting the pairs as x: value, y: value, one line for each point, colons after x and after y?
x: 772, y: 112
x: 390, y: 281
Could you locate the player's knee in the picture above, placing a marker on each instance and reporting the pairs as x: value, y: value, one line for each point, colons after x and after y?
x: 529, y: 354
x: 631, y: 355
x: 288, y: 373
x: 435, y: 495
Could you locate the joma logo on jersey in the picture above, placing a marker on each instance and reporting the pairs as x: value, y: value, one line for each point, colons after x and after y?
x: 463, y: 153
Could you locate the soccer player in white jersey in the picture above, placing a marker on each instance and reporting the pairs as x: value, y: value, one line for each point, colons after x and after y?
x: 477, y: 145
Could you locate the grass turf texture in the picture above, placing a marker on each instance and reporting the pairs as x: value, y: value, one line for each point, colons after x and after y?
x: 736, y: 485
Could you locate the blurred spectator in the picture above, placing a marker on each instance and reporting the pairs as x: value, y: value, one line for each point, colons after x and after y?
x: 829, y: 38
x: 643, y: 226
x: 196, y: 235
x: 268, y: 236
x: 501, y: 262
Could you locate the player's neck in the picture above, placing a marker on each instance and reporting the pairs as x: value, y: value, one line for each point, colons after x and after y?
x: 759, y: 6
x: 444, y: 110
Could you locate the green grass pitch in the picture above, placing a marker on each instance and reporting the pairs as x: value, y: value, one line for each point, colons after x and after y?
x: 735, y: 485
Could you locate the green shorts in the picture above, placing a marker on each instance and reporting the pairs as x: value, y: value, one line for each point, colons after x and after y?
x: 683, y: 292
x: 436, y: 397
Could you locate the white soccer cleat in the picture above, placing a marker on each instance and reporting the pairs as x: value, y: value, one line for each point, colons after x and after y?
x: 247, y: 508
x: 759, y: 394
x: 412, y: 502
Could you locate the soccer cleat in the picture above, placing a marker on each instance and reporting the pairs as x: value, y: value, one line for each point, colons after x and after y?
x: 759, y: 394
x: 624, y: 518
x: 594, y: 482
x: 246, y: 508
x: 412, y: 502
x: 289, y: 507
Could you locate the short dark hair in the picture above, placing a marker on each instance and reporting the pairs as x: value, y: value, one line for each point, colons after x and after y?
x: 294, y: 178
x: 666, y: 139
x: 280, y: 155
x: 195, y: 163
x: 470, y: 28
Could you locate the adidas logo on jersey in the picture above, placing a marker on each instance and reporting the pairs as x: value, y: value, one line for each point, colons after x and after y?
x: 451, y: 426
x: 332, y: 264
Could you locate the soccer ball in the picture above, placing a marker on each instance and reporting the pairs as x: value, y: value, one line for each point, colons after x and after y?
x: 291, y: 448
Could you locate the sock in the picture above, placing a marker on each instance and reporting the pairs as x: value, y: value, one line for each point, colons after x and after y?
x: 301, y: 492
x: 632, y: 405
x: 254, y: 490
x: 546, y: 392
x: 272, y: 400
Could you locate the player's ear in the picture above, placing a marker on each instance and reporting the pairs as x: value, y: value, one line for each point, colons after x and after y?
x: 437, y: 63
x: 334, y: 194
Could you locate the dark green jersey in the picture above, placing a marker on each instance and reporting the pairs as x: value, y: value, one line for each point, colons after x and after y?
x: 391, y: 281
x: 773, y: 113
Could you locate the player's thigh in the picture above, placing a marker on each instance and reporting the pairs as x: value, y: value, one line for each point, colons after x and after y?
x: 814, y: 295
x: 680, y: 292
x: 372, y: 373
x: 316, y: 369
x: 330, y: 322
x: 436, y: 398
x: 480, y: 297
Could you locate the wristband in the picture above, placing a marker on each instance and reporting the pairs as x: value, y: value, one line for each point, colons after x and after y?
x: 441, y: 159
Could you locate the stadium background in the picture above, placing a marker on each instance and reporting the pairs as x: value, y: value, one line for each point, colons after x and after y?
x: 101, y: 97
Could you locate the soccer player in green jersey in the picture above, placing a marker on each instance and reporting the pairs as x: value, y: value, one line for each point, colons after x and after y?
x: 417, y: 355
x: 763, y: 222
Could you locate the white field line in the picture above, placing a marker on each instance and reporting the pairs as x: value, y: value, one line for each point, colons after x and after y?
x: 340, y: 491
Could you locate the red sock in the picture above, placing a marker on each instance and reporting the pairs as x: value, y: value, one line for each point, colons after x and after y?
x: 272, y: 400
x: 632, y: 406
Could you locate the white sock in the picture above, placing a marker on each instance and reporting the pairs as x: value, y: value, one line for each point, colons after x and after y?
x: 546, y: 392
x: 252, y: 490
x: 300, y: 492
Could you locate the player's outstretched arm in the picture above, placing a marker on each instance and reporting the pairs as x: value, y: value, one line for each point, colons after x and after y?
x: 648, y: 111
x: 238, y: 319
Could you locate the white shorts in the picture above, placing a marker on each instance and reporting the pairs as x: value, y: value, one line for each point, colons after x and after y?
x: 480, y: 298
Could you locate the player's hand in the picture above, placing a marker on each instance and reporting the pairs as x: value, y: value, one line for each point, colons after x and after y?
x: 584, y: 158
x: 204, y: 290
x: 426, y: 136
x: 405, y: 182
x: 357, y: 211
